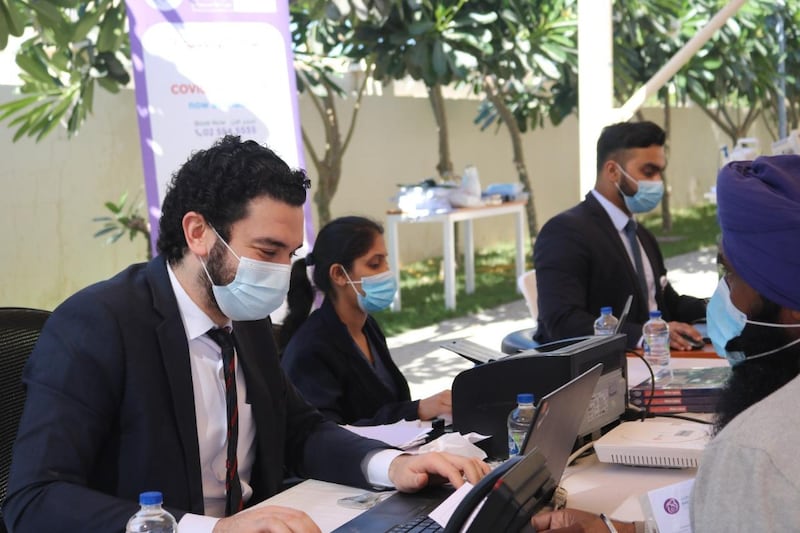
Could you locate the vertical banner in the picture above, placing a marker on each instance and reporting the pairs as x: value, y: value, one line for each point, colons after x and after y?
x: 207, y: 68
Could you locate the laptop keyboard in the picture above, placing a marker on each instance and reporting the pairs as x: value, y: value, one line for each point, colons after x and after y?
x: 418, y: 524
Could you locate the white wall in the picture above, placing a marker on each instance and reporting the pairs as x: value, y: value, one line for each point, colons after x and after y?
x: 51, y: 190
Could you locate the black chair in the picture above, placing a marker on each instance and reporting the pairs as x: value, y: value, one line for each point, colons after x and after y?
x: 19, y: 331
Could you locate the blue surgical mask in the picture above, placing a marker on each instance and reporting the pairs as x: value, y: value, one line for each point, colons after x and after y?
x: 646, y: 197
x: 258, y: 289
x: 726, y: 322
x: 379, y: 291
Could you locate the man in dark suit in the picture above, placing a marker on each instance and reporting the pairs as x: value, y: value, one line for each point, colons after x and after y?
x: 586, y: 257
x: 125, y: 389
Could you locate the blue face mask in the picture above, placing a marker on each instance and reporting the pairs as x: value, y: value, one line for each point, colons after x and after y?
x: 647, y: 196
x: 726, y: 322
x: 258, y: 289
x: 379, y: 291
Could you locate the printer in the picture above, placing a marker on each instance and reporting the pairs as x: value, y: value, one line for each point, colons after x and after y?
x: 485, y: 394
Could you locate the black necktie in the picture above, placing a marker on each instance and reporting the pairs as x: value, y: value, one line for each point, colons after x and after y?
x: 233, y: 487
x: 630, y: 231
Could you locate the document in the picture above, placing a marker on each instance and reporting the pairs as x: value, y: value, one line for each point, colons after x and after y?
x: 668, y: 508
x: 403, y: 434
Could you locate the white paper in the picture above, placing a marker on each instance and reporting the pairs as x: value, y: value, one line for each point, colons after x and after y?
x: 669, y: 507
x: 403, y: 434
x: 445, y: 510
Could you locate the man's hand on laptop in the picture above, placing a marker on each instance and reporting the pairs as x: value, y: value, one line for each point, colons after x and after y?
x: 410, y: 473
x: 267, y: 519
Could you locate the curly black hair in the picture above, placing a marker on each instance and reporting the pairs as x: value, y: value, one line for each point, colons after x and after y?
x: 218, y: 183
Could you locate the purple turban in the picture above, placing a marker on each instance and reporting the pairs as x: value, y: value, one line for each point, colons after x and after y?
x: 759, y: 213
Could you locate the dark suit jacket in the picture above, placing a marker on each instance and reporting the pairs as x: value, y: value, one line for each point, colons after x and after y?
x: 582, y: 265
x: 325, y: 365
x: 110, y: 413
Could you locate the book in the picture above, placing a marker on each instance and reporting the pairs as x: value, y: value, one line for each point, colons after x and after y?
x: 694, y: 408
x: 674, y: 400
x: 702, y: 381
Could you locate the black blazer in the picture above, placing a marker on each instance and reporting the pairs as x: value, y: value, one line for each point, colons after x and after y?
x: 110, y: 413
x: 326, y: 366
x: 582, y: 265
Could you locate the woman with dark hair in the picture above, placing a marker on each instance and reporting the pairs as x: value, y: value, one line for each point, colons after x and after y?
x: 337, y: 357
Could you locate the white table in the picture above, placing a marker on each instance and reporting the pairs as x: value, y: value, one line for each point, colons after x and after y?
x: 448, y: 220
x: 592, y: 486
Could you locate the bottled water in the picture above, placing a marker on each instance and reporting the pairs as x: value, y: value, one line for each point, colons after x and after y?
x: 656, y: 344
x: 519, y: 421
x: 606, y: 324
x: 151, y: 517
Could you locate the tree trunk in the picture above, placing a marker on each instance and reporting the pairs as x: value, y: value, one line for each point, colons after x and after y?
x: 666, y: 214
x: 329, y: 167
x: 492, y: 93
x: 445, y: 165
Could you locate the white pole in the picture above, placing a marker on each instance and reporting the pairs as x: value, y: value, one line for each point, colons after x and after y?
x: 595, y: 82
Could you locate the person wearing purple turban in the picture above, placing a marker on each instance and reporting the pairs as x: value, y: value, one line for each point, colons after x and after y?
x: 749, y: 475
x: 749, y: 478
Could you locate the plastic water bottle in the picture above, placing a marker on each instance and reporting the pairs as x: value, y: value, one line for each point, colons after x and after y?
x: 519, y: 422
x: 151, y: 517
x: 606, y: 323
x: 656, y: 344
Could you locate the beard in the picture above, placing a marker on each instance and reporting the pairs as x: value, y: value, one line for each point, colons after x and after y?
x: 220, y: 271
x: 753, y: 380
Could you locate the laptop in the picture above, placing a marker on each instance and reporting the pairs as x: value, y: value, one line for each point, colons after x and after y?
x: 514, y: 490
x: 624, y: 316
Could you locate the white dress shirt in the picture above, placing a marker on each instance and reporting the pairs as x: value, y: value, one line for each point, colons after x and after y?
x: 212, y: 420
x: 619, y: 219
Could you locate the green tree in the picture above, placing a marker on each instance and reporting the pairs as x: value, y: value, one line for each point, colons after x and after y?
x: 732, y: 78
x: 432, y: 41
x: 76, y: 45
x: 318, y: 40
x: 528, y: 75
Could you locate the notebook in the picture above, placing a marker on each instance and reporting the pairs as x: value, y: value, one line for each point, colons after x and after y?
x: 514, y: 490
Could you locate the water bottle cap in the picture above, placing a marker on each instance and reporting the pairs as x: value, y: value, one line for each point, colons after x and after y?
x: 655, y: 314
x: 151, y: 498
x: 525, y: 397
x: 606, y: 310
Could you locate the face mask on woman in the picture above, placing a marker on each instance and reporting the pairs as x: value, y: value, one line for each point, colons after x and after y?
x: 379, y: 291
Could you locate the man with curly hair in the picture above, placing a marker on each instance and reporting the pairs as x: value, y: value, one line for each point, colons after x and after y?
x: 166, y: 377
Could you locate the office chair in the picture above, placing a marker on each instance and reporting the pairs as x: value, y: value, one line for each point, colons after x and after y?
x: 527, y: 286
x: 521, y: 340
x: 19, y: 331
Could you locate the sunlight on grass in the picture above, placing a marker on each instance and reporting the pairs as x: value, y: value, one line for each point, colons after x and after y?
x: 495, y: 277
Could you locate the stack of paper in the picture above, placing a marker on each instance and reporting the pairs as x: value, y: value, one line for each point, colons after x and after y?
x: 403, y: 434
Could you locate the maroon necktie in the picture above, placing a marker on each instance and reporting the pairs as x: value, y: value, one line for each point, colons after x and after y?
x: 233, y: 487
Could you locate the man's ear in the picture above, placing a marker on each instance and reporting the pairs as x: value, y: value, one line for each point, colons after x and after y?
x: 612, y: 171
x: 200, y: 238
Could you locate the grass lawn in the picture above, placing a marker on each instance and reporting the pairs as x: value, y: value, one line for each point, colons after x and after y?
x: 495, y: 284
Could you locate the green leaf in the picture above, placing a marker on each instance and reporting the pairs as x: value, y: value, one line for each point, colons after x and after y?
x: 9, y: 108
x: 86, y: 23
x: 108, y: 84
x: 15, y: 18
x: 30, y: 63
x: 104, y: 231
x: 112, y: 29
